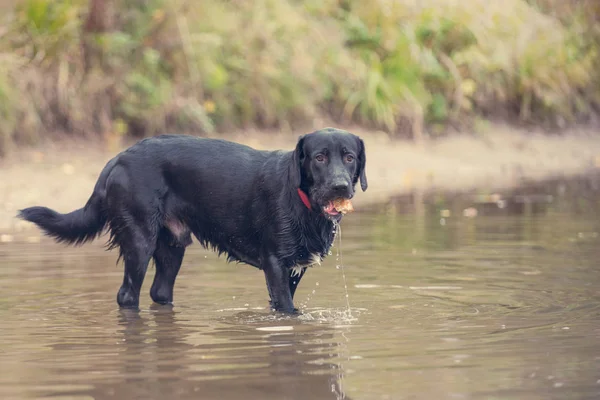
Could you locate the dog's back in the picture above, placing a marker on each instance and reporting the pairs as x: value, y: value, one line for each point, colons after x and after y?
x: 186, y: 184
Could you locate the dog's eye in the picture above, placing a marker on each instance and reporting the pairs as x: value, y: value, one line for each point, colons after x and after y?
x: 320, y: 158
x: 349, y: 158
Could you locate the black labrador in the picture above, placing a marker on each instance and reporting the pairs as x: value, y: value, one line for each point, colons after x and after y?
x: 270, y: 209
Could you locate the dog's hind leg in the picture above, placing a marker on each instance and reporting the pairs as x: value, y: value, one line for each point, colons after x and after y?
x: 136, y: 247
x: 136, y: 239
x: 167, y: 257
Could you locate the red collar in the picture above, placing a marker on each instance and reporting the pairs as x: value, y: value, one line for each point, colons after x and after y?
x: 304, y: 198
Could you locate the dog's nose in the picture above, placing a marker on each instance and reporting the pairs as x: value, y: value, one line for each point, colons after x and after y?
x: 340, y: 186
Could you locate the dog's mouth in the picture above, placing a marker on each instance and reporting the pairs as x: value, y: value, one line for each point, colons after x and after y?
x: 338, y: 207
x: 329, y: 209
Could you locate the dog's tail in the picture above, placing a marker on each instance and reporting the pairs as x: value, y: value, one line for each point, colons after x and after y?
x: 76, y: 227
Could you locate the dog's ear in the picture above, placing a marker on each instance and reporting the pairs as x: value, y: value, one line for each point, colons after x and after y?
x: 362, y: 161
x: 295, y: 169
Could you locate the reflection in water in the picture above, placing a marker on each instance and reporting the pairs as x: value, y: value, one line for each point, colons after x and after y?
x: 450, y: 220
x: 159, y: 354
x: 471, y: 296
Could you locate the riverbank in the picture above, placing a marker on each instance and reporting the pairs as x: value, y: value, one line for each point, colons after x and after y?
x: 62, y: 174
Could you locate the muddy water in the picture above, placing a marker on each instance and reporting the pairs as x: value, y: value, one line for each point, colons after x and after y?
x: 470, y: 296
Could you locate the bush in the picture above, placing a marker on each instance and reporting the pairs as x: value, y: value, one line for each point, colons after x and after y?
x: 145, y: 66
x: 448, y: 60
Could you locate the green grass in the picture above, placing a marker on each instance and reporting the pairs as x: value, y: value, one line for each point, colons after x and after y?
x: 221, y: 64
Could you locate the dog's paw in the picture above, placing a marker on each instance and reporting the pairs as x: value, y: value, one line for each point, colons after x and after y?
x: 284, y: 310
x: 126, y: 298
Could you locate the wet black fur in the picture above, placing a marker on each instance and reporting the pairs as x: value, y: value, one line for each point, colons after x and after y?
x: 237, y: 200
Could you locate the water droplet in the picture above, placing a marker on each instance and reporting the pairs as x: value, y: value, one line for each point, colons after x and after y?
x: 317, y: 283
x: 329, y: 253
x: 337, y: 267
x: 313, y: 292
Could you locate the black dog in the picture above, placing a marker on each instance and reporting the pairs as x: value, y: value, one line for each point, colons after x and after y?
x: 270, y: 209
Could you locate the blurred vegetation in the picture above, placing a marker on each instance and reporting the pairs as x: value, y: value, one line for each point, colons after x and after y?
x: 140, y: 67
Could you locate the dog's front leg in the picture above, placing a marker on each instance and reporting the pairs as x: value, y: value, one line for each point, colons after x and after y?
x: 278, y: 285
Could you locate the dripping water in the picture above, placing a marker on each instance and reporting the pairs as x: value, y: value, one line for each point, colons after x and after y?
x: 340, y: 264
x: 331, y: 315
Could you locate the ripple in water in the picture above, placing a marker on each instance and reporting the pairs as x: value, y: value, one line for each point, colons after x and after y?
x: 341, y: 316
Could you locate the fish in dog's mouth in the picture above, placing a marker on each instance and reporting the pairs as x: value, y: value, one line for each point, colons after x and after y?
x: 338, y: 207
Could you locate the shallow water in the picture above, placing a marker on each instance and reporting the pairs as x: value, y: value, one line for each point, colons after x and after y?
x: 501, y: 305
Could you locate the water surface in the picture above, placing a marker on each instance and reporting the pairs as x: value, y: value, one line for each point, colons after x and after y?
x: 453, y: 296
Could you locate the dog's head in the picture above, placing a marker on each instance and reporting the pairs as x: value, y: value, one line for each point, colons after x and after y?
x: 327, y: 165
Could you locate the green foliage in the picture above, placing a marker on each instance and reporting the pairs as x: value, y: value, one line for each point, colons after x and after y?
x: 390, y: 77
x: 221, y: 64
x: 46, y: 28
x: 259, y: 62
